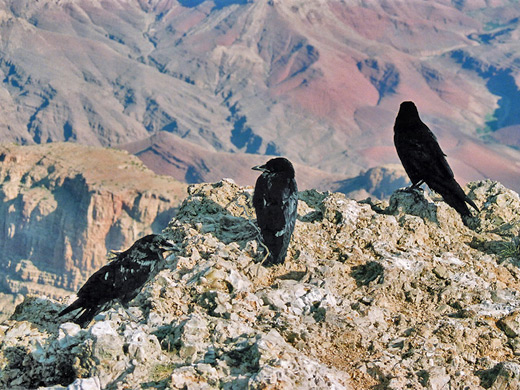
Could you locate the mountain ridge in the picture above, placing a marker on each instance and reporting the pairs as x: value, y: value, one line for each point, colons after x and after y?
x: 318, y: 82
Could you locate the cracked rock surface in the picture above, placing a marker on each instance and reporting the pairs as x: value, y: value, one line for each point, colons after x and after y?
x: 396, y: 295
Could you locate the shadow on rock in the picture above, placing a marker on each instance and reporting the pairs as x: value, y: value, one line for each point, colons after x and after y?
x: 313, y: 199
x: 414, y: 202
x: 504, y: 249
x: 503, y: 376
x: 31, y: 374
x: 41, y: 312
x: 367, y: 273
x: 228, y: 218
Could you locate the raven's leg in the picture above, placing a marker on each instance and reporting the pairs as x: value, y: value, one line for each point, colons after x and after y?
x: 130, y: 316
x: 417, y: 185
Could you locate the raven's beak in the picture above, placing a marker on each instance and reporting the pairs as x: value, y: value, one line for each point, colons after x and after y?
x: 261, y: 168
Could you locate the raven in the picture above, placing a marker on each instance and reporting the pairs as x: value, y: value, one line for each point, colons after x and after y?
x: 424, y: 161
x: 275, y: 201
x: 120, y: 280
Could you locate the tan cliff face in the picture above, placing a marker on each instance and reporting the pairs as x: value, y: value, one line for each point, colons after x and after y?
x: 65, y: 206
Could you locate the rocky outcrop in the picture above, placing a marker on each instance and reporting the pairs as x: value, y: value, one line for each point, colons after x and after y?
x: 392, y: 295
x: 65, y: 206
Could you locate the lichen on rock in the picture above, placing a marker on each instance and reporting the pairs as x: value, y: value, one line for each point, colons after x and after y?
x: 394, y: 295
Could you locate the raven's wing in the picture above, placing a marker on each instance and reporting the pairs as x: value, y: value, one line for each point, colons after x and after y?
x: 93, y: 295
x: 423, y: 159
x: 421, y: 154
x: 440, y: 166
x: 118, y: 278
x: 269, y: 200
x: 102, y: 284
x: 441, y: 179
x: 276, y: 205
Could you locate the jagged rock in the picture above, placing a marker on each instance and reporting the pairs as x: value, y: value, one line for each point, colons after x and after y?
x: 501, y: 207
x: 510, y: 324
x: 436, y: 378
x: 399, y: 295
x: 503, y: 376
x: 78, y: 384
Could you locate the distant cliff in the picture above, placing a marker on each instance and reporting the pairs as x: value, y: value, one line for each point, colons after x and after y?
x: 65, y: 206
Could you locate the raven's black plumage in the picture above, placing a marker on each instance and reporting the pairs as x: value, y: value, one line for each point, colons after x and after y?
x: 275, y: 201
x: 424, y: 161
x: 120, y: 280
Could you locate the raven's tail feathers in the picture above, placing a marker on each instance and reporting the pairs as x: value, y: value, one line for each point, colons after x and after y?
x: 82, y: 317
x: 472, y: 204
x: 88, y: 315
x: 454, y: 195
x: 75, y: 305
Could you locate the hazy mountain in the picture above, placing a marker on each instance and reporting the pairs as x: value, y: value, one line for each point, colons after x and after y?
x: 317, y: 81
x: 380, y: 182
x: 169, y: 154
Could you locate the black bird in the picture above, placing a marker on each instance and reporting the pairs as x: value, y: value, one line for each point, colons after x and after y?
x: 424, y: 161
x: 120, y: 280
x: 275, y: 201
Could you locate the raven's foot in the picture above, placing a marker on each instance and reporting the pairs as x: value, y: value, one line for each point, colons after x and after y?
x: 412, y: 189
x: 471, y: 221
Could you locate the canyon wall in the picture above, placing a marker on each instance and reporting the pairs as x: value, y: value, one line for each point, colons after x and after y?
x: 65, y: 206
